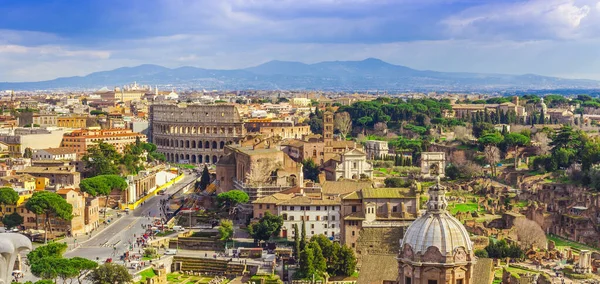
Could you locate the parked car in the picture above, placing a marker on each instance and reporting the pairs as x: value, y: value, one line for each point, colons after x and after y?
x: 178, y: 228
x: 171, y: 252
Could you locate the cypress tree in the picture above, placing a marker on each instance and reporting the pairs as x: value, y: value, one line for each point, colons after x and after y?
x: 307, y: 268
x: 303, y: 237
x: 296, y: 241
x: 205, y: 178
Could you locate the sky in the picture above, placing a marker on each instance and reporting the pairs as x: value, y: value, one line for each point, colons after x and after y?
x: 46, y: 39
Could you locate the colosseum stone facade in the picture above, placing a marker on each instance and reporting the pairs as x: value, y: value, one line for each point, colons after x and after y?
x: 194, y: 133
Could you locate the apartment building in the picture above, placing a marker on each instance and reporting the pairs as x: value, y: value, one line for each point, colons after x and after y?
x: 65, y: 176
x: 81, y: 140
x: 61, y: 153
x: 320, y: 214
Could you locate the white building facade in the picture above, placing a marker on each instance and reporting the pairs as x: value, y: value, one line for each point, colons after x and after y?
x: 353, y: 165
x: 320, y: 216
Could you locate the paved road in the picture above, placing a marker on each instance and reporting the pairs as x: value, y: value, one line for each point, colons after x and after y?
x: 120, y: 234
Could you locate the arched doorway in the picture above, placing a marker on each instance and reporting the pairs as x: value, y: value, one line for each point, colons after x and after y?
x: 434, y: 170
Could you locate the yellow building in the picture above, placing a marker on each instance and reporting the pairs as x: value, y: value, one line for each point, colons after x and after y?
x: 72, y: 121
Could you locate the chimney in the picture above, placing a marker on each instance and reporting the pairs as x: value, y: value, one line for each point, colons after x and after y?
x: 516, y: 100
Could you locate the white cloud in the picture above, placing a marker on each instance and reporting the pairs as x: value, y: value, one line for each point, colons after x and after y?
x: 526, y: 20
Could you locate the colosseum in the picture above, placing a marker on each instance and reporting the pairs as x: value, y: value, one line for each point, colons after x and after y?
x: 194, y: 133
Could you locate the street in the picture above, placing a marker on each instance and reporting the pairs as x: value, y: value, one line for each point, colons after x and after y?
x: 122, y: 233
x: 114, y: 239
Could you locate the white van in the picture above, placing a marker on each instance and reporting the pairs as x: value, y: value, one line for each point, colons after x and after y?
x: 178, y: 228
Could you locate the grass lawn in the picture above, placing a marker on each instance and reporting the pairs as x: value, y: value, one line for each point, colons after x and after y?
x: 165, y: 233
x: 514, y: 270
x: 185, y: 166
x: 560, y: 242
x: 187, y: 279
x: 522, y: 204
x: 148, y: 273
x: 463, y: 207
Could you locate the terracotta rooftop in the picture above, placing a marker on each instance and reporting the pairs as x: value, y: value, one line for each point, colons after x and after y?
x: 59, y: 151
x: 344, y: 186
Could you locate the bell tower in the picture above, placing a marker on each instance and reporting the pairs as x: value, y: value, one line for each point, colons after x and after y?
x: 328, y: 127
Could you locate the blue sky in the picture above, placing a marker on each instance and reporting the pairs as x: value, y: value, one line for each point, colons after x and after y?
x: 42, y: 40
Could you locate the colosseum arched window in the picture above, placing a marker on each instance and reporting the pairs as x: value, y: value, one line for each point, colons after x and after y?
x: 214, y: 145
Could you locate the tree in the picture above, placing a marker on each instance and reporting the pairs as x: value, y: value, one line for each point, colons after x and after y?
x: 330, y: 251
x: 516, y: 140
x: 334, y: 258
x: 103, y: 185
x: 319, y: 262
x: 110, y: 273
x: 347, y: 261
x: 380, y: 128
x: 492, y: 157
x: 310, y: 170
x: 101, y: 159
x: 296, y: 241
x: 83, y: 267
x: 226, y: 229
x: 54, y: 249
x: 395, y: 182
x: 12, y: 220
x: 51, y: 205
x: 47, y: 262
x: 8, y: 196
x: 568, y: 138
x: 364, y: 121
x: 232, y: 198
x: 481, y: 253
x: 529, y: 234
x: 461, y: 133
x: 307, y: 268
x: 343, y: 123
x: 491, y: 139
x: 542, y: 143
x: 594, y: 175
x: 269, y: 225
x: 205, y: 178
x: 28, y: 153
x: 49, y: 268
x: 303, y: 236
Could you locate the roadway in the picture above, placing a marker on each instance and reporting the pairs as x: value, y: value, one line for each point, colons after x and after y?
x: 117, y: 237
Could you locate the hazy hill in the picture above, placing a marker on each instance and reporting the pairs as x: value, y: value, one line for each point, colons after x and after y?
x: 368, y: 74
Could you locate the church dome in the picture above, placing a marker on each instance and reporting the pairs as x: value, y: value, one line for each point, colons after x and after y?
x: 437, y: 228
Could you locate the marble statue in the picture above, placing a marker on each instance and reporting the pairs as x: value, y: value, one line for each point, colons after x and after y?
x: 11, y: 245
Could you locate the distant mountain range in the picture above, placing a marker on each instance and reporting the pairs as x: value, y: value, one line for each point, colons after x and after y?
x: 367, y: 75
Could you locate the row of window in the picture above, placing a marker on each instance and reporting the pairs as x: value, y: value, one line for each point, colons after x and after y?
x: 306, y: 218
x: 313, y: 232
x: 302, y: 208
